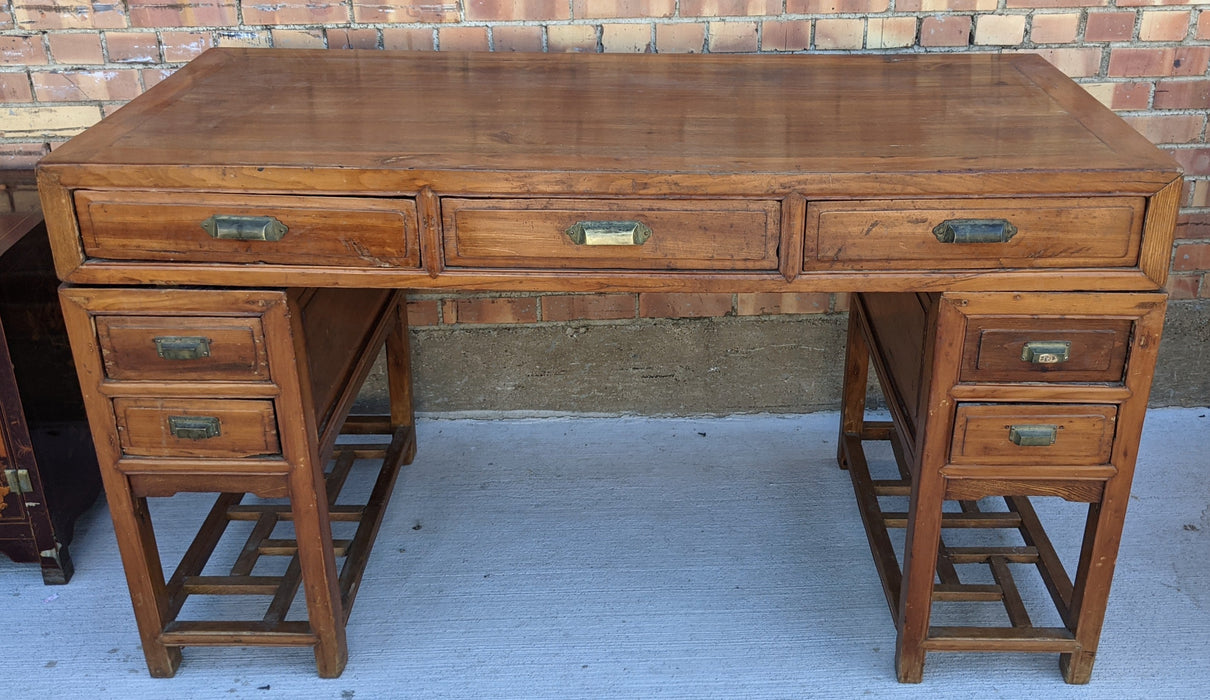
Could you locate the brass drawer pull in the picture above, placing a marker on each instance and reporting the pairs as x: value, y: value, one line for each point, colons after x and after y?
x: 245, y: 228
x: 974, y: 231
x: 180, y: 347
x: 609, y: 233
x: 1046, y: 352
x: 194, y: 427
x: 1033, y: 435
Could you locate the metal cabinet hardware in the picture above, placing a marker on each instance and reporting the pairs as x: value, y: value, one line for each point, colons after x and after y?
x: 974, y: 231
x: 245, y: 228
x: 194, y: 427
x: 1033, y: 435
x: 609, y: 233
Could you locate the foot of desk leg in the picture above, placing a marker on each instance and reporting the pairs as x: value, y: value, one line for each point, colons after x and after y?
x: 909, y: 661
x: 1077, y: 668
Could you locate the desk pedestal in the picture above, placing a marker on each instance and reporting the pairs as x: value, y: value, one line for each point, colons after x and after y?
x: 1005, y: 395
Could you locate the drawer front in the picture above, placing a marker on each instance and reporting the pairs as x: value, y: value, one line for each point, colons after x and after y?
x: 977, y: 233
x: 196, y: 427
x: 636, y: 234
x: 1028, y: 349
x: 345, y: 231
x: 1033, y: 434
x: 183, y: 348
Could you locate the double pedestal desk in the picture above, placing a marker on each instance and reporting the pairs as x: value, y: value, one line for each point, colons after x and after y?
x: 235, y: 244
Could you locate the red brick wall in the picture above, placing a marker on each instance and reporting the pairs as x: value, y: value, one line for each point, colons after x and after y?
x: 66, y: 63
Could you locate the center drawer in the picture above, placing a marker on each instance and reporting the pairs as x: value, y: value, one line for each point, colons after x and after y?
x: 612, y: 234
x: 152, y: 427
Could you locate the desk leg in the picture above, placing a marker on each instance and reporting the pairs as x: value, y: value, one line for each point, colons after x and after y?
x: 399, y: 378
x: 856, y: 377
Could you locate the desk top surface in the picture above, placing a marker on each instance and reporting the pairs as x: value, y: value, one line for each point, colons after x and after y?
x: 788, y: 116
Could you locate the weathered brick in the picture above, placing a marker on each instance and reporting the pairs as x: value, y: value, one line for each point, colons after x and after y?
x: 835, y: 34
x: 423, y: 312
x: 1196, y: 224
x: 462, y: 38
x: 1169, y: 128
x: 1200, y: 197
x: 999, y: 30
x: 613, y: 9
x: 491, y: 310
x: 181, y: 46
x: 626, y: 38
x: 342, y: 38
x: 1153, y: 3
x: 76, y: 48
x: 1192, y: 256
x: 1203, y: 25
x: 1182, y: 94
x: 1073, y: 62
x: 1121, y: 96
x: 571, y: 38
x: 69, y: 14
x: 785, y: 35
x: 296, y: 12
x: 946, y: 5
x: 249, y: 38
x: 42, y: 121
x: 408, y: 38
x: 299, y: 38
x: 890, y: 32
x: 6, y: 22
x: 1195, y: 161
x: 197, y: 13
x: 512, y: 10
x: 1184, y: 286
x: 1109, y: 26
x: 819, y: 7
x: 677, y: 305
x: 1047, y: 4
x: 1133, y: 62
x: 71, y: 86
x: 14, y: 87
x: 680, y: 38
x: 954, y: 30
x: 517, y: 38
x: 132, y: 47
x: 733, y: 37
x: 787, y: 303
x: 21, y: 156
x: 729, y: 8
x: 591, y: 307
x: 151, y: 76
x: 22, y: 50
x: 1055, y: 29
x: 405, y: 11
x: 1164, y: 26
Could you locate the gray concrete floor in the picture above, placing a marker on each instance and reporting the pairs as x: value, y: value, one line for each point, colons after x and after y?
x: 638, y: 558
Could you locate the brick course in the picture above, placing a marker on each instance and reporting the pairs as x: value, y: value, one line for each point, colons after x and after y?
x: 65, y: 63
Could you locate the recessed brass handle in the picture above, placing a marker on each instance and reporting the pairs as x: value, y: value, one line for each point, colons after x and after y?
x: 609, y: 233
x: 181, y: 347
x: 1033, y: 435
x: 194, y: 427
x: 1046, y: 352
x: 974, y: 231
x: 244, y: 228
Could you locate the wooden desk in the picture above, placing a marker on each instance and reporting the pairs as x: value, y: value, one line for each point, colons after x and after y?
x: 1021, y: 232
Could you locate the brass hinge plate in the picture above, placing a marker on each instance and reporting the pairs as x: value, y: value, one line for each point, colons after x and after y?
x: 18, y: 481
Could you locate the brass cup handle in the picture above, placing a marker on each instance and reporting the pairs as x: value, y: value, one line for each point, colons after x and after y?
x: 181, y: 347
x: 1046, y: 352
x: 609, y: 233
x: 244, y: 228
x: 974, y: 231
x: 194, y: 427
x: 1033, y: 435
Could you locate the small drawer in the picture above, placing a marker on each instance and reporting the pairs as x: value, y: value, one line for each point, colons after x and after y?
x: 183, y: 348
x: 1028, y: 349
x: 196, y: 427
x: 232, y: 228
x: 974, y: 234
x: 1044, y: 434
x: 612, y: 234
